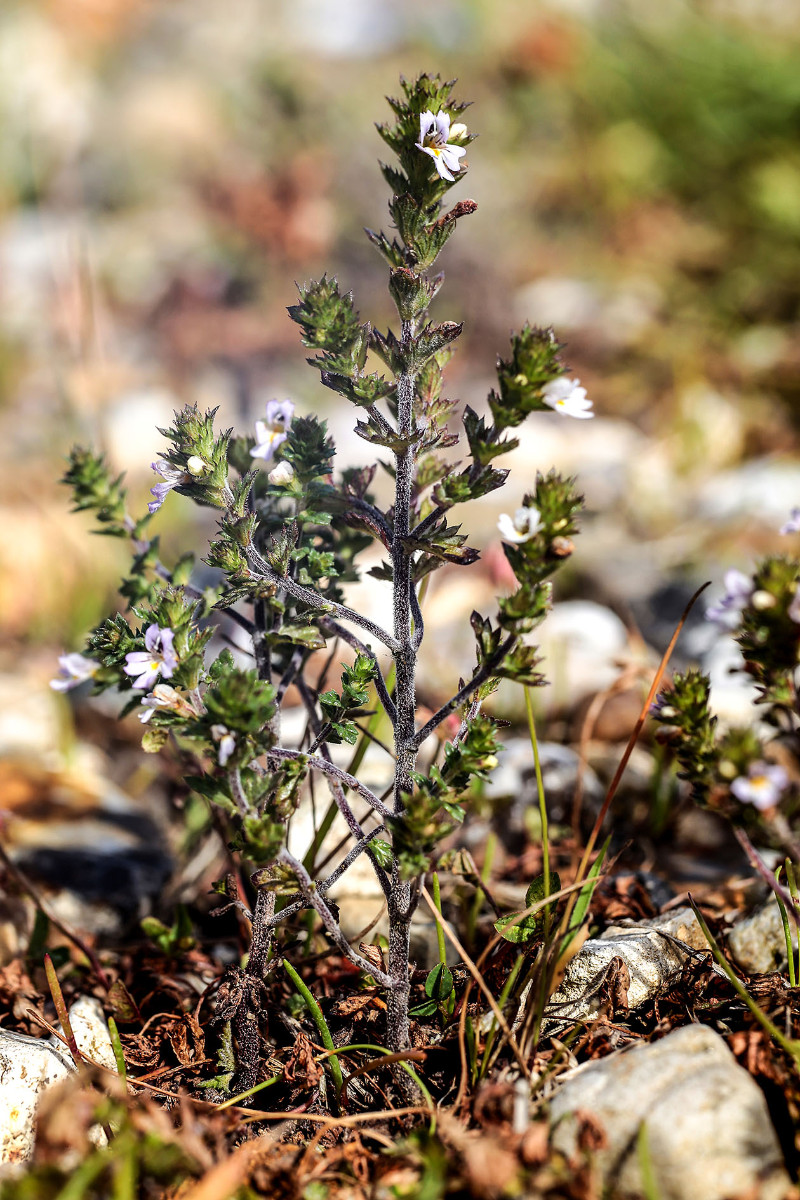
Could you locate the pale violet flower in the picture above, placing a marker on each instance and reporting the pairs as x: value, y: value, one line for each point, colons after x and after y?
x: 793, y: 524
x: 273, y: 430
x: 793, y: 611
x: 282, y: 475
x: 226, y: 742
x: 434, y: 134
x: 73, y: 669
x: 158, y: 659
x: 738, y: 590
x: 566, y: 396
x: 171, y: 477
x: 525, y: 523
x: 762, y: 785
x: 165, y: 696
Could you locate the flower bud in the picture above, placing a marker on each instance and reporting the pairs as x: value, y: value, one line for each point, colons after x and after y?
x: 763, y: 600
x: 282, y: 475
x: 197, y: 466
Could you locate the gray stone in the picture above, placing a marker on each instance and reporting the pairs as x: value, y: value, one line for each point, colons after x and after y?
x: 758, y: 943
x: 709, y: 1134
x: 653, y: 953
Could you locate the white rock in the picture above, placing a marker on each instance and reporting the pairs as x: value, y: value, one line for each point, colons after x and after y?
x: 91, y: 1031
x: 653, y: 951
x: 27, y: 1067
x: 709, y: 1134
x: 758, y: 942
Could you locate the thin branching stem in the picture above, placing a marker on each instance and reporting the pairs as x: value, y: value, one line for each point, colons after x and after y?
x: 483, y: 673
x: 332, y: 927
x: 317, y: 763
x: 313, y: 600
x: 295, y: 903
x: 337, y: 791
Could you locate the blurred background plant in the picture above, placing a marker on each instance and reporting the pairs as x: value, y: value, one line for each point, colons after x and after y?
x: 166, y: 171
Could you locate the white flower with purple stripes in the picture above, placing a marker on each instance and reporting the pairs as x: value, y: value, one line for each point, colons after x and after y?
x: 159, y: 658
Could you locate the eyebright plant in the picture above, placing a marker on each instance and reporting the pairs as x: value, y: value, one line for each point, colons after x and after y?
x: 290, y: 537
x: 745, y: 772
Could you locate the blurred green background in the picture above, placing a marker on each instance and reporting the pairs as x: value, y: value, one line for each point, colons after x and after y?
x: 169, y: 169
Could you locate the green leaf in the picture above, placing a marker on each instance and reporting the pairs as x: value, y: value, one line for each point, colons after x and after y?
x: 382, y: 851
x: 536, y: 890
x: 530, y: 926
x: 428, y: 1009
x: 585, y: 896
x: 154, y: 739
x: 439, y: 983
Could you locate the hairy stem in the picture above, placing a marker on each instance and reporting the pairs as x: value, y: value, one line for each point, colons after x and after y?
x: 402, y: 900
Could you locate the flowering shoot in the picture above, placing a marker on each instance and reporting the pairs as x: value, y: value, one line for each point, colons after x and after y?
x: 761, y: 786
x: 524, y: 525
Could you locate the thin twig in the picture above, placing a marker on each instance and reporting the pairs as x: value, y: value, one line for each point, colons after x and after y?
x: 313, y: 600
x: 481, y: 675
x: 332, y: 926
x: 757, y: 862
x: 296, y: 904
x: 324, y: 766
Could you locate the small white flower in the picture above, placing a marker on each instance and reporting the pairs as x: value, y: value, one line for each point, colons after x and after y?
x: 282, y: 475
x: 159, y: 658
x: 74, y: 669
x: 566, y: 396
x: 761, y: 786
x: 524, y: 525
x: 226, y: 740
x: 165, y: 696
x: 273, y: 430
x: 434, y: 134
